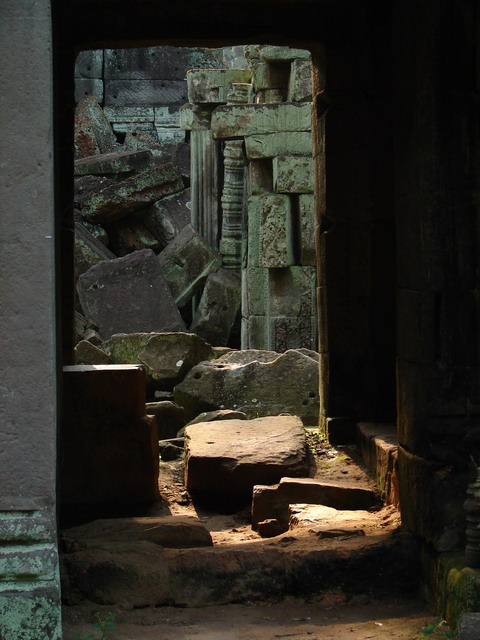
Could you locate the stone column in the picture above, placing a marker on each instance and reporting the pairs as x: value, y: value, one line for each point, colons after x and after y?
x: 233, y: 189
x: 204, y: 185
x: 29, y: 579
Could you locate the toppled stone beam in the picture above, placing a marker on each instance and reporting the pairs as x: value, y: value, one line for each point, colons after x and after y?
x: 167, y: 217
x: 116, y: 163
x: 120, y: 199
x: 272, y: 502
x: 93, y: 133
x: 236, y: 121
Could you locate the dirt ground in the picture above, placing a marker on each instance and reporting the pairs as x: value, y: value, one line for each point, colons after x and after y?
x: 332, y: 616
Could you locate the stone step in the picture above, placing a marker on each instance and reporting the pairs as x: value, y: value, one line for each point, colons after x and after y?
x: 140, y: 573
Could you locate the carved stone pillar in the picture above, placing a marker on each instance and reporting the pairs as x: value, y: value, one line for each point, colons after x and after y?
x: 233, y: 190
x: 204, y: 185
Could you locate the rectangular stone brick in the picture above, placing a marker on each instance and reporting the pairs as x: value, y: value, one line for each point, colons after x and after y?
x: 256, y: 330
x: 193, y: 117
x: 32, y: 562
x: 293, y: 174
x: 145, y: 92
x: 272, y: 53
x: 306, y: 221
x: 292, y: 292
x: 167, y: 116
x: 270, y: 75
x: 213, y: 85
x: 300, y: 82
x: 255, y: 289
x: 236, y: 121
x: 89, y: 87
x: 269, y: 145
x: 130, y: 114
x: 89, y: 64
x: 270, y: 233
x: 292, y: 333
x: 168, y: 135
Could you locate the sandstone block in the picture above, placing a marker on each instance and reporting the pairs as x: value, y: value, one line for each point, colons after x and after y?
x: 272, y: 53
x: 270, y: 76
x: 166, y: 531
x: 292, y: 333
x: 105, y: 429
x: 129, y: 235
x: 116, y: 163
x: 170, y: 418
x: 270, y: 231
x: 286, y: 384
x: 236, y: 121
x: 120, y: 199
x: 213, y: 85
x: 186, y: 262
x: 167, y: 217
x: 300, y: 81
x: 292, y: 174
x: 89, y: 251
x: 87, y: 353
x: 273, y: 501
x: 226, y: 457
x: 307, y: 217
x: 128, y: 294
x: 89, y: 87
x: 89, y: 64
x: 218, y: 307
x: 93, y: 133
x: 166, y: 357
x: 148, y: 92
x: 194, y: 117
x: 269, y: 145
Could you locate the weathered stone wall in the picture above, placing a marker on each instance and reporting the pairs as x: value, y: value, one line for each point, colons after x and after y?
x: 29, y: 583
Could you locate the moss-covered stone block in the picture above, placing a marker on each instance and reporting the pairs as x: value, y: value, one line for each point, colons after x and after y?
x: 237, y: 121
x: 292, y: 174
x: 269, y: 145
x: 213, y: 85
x: 30, y: 613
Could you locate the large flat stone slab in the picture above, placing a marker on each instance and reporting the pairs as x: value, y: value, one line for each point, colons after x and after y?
x: 127, y: 295
x: 167, y: 531
x: 231, y: 456
x: 116, y: 163
x: 272, y: 502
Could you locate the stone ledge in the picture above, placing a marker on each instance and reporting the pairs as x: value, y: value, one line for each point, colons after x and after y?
x: 379, y: 449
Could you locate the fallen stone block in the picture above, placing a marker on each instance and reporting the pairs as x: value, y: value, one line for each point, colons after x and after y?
x: 129, y: 235
x: 137, y: 192
x: 292, y: 174
x: 170, y: 418
x: 108, y: 445
x: 167, y: 217
x: 237, y: 121
x: 269, y: 145
x: 218, y: 307
x: 273, y: 501
x: 87, y: 186
x: 128, y: 294
x: 286, y: 384
x: 120, y: 163
x: 167, y: 531
x: 89, y: 251
x: 186, y: 262
x: 93, y: 134
x: 213, y: 85
x: 229, y: 456
x: 84, y: 329
x: 87, y: 353
x: 166, y: 357
x: 171, y: 449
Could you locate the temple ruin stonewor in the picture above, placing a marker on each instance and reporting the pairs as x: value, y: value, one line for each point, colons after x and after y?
x: 233, y: 229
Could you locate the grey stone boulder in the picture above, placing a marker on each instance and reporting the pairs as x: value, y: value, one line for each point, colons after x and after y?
x: 170, y: 417
x: 167, y: 217
x: 87, y: 353
x: 218, y: 307
x: 166, y: 357
x: 128, y: 294
x: 269, y: 385
x: 177, y: 532
x: 229, y: 457
x: 136, y: 192
x: 186, y: 262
